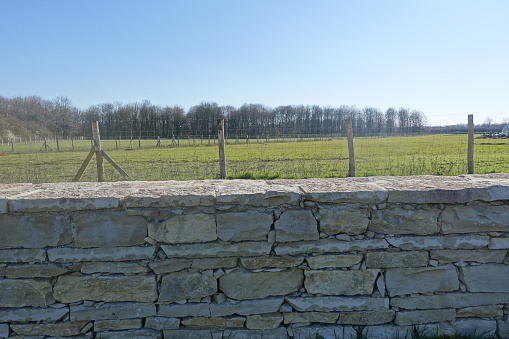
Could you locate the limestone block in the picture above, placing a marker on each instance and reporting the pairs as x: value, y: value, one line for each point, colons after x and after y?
x: 193, y: 334
x: 3, y: 205
x: 34, y: 271
x: 2, y: 270
x: 63, y: 329
x: 34, y: 231
x: 213, y: 263
x: 264, y: 321
x: 184, y: 310
x: 169, y: 266
x: 397, y: 259
x: 332, y: 304
x: 435, y: 330
x: 424, y: 317
x: 475, y: 218
x: 240, y: 284
x: 174, y: 197
x: 296, y: 225
x: 106, y: 311
x: 329, y: 245
x: 486, y: 278
x: 139, y: 288
x: 184, y: 285
x: 470, y: 326
x: 116, y: 325
x: 439, y: 242
x: 387, y: 331
x: 130, y: 334
x: 311, y: 317
x: 480, y: 256
x: 257, y: 193
x: 277, y: 333
x: 25, y: 292
x: 340, y: 282
x: 401, y: 281
x: 189, y: 228
x: 344, y: 219
x: 366, y: 317
x: 210, y: 322
x: 488, y: 311
x: 499, y: 243
x: 270, y: 262
x: 22, y: 255
x: 248, y: 307
x: 109, y: 230
x: 24, y: 315
x: 4, y: 330
x: 162, y: 323
x: 243, y: 226
x: 64, y: 254
x: 338, y: 260
x: 449, y: 300
x: 244, y: 249
x: 503, y: 328
x: 396, y: 220
x: 325, y: 331
x: 62, y: 204
x: 345, y: 190
x: 111, y: 267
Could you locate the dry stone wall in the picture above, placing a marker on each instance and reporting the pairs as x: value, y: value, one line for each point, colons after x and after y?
x: 380, y: 256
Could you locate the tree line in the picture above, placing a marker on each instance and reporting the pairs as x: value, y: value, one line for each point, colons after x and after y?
x: 34, y: 116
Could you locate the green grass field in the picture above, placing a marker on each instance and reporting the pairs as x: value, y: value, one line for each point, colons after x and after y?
x: 196, y: 159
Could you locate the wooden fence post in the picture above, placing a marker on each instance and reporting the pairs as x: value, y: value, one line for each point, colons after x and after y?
x: 222, y: 156
x: 470, y: 153
x: 351, y: 150
x: 98, y: 149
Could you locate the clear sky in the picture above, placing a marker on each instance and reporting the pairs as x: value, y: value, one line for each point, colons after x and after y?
x: 447, y: 58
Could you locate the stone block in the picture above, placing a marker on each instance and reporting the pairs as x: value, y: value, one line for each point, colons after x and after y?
x: 325, y: 331
x: 296, y: 225
x: 424, y: 317
x: 344, y: 190
x: 241, y: 285
x: 130, y: 334
x: 277, y: 333
x: 248, y: 307
x: 64, y: 329
x: 111, y: 267
x: 25, y: 292
x: 210, y: 322
x: 162, y: 323
x: 397, y: 220
x: 332, y: 304
x: 243, y: 226
x: 4, y: 330
x: 34, y: 231
x: 488, y: 311
x: 62, y: 204
x: 106, y: 311
x: 23, y: 255
x: 499, y: 244
x: 193, y: 334
x: 191, y: 228
x: 184, y: 310
x: 388, y: 331
x: 366, y: 317
x: 474, y: 219
x: 25, y: 315
x: 486, y: 278
x: 174, y: 196
x: 184, y: 285
x: 139, y: 288
x: 213, y: 263
x: 311, y: 317
x: 333, y: 260
x: 264, y: 321
x: 169, y: 266
x: 328, y: 246
x: 449, y: 300
x: 257, y: 193
x: 344, y: 219
x: 480, y: 256
x: 439, y: 242
x: 34, y: 271
x: 3, y: 206
x: 270, y: 262
x: 64, y: 254
x: 401, y: 281
x: 109, y: 230
x: 116, y: 325
x: 397, y: 259
x: 478, y: 327
x: 340, y: 282
x: 243, y: 249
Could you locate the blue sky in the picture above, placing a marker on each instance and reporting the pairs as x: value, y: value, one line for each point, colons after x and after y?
x: 445, y: 58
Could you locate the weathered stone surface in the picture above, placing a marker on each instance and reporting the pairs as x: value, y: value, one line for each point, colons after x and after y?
x: 184, y: 310
x: 475, y: 218
x: 22, y: 255
x: 263, y: 321
x: 24, y: 315
x: 481, y: 256
x: 343, y: 190
x: 162, y: 323
x: 424, y: 317
x: 183, y: 285
x: 257, y: 193
x: 62, y: 204
x: 248, y: 307
x: 221, y: 323
x: 439, y: 242
x: 34, y: 231
x: 401, y: 281
x: 311, y: 317
x: 240, y: 284
x: 191, y: 228
x: 244, y: 249
x: 34, y: 271
x: 108, y: 230
x: 113, y: 311
x: 4, y: 330
x: 101, y: 254
x: 387, y: 331
x: 169, y: 266
x: 331, y: 304
x: 116, y: 325
x: 486, y: 278
x: 64, y: 329
x: 213, y: 263
x: 255, y: 334
x: 344, y: 219
x: 113, y: 268
x: 193, y: 334
x: 340, y: 282
x: 397, y: 220
x: 70, y: 289
x: 450, y: 300
x: 296, y: 225
x: 324, y: 261
x: 131, y: 334
x: 272, y: 262
x: 329, y: 245
x: 366, y: 317
x: 243, y: 226
x: 499, y: 243
x: 481, y: 327
x: 25, y: 292
x: 326, y: 331
x: 503, y: 328
x: 488, y: 311
x: 396, y: 259
x: 3, y: 205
